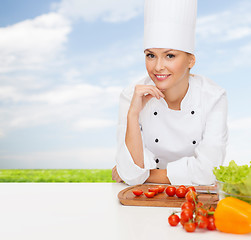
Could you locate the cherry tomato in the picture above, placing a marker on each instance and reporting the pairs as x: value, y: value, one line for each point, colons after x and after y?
x: 161, y: 189
x: 182, y: 186
x: 199, y: 204
x: 187, y: 205
x: 149, y: 194
x: 182, y: 222
x: 181, y: 192
x: 191, y: 188
x: 154, y: 189
x: 173, y: 220
x: 201, y: 211
x: 211, y: 223
x: 202, y: 221
x: 170, y: 191
x: 211, y: 209
x: 190, y: 226
x: 137, y: 192
x: 191, y: 196
x: 186, y: 214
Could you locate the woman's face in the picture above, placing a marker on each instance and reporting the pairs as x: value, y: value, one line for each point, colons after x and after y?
x: 168, y: 68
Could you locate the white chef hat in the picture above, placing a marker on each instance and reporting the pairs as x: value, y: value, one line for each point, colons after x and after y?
x: 170, y: 24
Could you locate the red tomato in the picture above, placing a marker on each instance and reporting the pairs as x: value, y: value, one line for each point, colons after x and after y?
x: 161, y: 189
x: 211, y: 209
x: 186, y: 214
x: 173, y: 220
x: 170, y: 191
x: 201, y: 211
x: 181, y: 192
x: 199, y: 204
x: 191, y: 196
x: 202, y: 221
x: 137, y: 192
x: 182, y: 222
x: 182, y: 186
x: 149, y: 194
x: 211, y: 223
x: 187, y: 205
x: 190, y: 226
x: 154, y: 189
x: 191, y: 188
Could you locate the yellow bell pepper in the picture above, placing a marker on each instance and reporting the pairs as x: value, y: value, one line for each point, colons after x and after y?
x: 233, y: 216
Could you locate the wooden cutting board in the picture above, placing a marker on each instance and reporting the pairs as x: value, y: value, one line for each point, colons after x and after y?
x: 126, y: 197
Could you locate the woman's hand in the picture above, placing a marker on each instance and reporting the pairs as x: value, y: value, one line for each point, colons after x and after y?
x: 142, y: 94
x: 115, y: 175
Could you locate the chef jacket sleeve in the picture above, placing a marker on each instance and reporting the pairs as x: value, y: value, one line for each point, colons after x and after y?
x: 209, y: 153
x: 129, y: 172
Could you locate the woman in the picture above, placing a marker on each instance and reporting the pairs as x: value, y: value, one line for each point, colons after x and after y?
x: 172, y: 124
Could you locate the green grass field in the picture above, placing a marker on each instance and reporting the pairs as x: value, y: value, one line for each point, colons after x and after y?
x: 56, y: 175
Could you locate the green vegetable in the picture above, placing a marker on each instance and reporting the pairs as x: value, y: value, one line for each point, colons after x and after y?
x: 235, y: 179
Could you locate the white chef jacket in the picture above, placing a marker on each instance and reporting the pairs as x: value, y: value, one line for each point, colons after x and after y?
x: 189, y: 142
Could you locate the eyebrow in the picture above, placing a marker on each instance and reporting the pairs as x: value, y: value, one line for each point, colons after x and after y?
x: 169, y: 50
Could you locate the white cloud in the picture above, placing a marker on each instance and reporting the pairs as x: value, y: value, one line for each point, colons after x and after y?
x: 109, y: 10
x: 9, y: 93
x: 122, y: 55
x: 61, y: 94
x: 244, y: 55
x: 1, y: 133
x: 30, y: 43
x: 246, y: 48
x: 239, y: 154
x: 27, y: 102
x: 84, y: 124
x: 98, y: 158
x: 239, y: 141
x: 240, y: 124
x: 238, y: 148
x: 232, y: 24
x: 64, y: 103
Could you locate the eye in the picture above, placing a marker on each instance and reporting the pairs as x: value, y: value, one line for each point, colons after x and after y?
x: 170, y: 55
x: 150, y: 55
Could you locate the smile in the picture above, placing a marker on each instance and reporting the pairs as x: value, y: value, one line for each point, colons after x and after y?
x: 162, y: 76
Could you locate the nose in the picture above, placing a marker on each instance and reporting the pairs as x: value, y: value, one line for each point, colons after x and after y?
x: 159, y: 65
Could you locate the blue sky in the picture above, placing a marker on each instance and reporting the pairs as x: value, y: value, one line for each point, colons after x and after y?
x: 64, y: 63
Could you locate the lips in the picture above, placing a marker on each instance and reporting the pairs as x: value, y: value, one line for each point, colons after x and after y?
x: 161, y: 77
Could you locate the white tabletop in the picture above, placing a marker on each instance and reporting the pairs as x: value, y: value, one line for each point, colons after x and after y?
x: 85, y: 211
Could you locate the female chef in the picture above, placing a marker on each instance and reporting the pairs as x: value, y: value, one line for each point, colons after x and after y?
x: 172, y: 124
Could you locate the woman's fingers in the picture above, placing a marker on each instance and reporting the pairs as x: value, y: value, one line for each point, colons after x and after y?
x: 142, y: 90
x: 148, y: 89
x: 142, y: 94
x: 147, y: 98
x: 158, y: 92
x: 161, y: 93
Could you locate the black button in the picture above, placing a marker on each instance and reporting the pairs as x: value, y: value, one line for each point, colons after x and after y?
x: 156, y: 140
x: 192, y: 112
x: 157, y: 167
x: 157, y: 160
x: 155, y: 113
x: 141, y: 128
x: 194, y: 142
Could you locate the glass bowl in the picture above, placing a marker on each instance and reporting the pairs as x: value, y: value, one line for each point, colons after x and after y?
x: 238, y: 190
